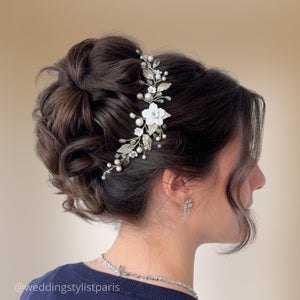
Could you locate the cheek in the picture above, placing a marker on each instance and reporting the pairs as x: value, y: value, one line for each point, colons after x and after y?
x: 218, y: 220
x: 246, y: 194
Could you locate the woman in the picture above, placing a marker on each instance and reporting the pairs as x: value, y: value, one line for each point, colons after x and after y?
x: 163, y: 146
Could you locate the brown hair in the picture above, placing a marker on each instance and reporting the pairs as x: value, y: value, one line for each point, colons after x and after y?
x: 83, y: 113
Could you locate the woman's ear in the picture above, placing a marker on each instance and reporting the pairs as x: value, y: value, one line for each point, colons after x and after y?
x: 175, y: 186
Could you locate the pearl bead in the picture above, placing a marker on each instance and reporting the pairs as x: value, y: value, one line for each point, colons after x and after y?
x: 139, y: 96
x: 119, y: 168
x: 117, y: 162
x: 144, y: 156
x: 159, y: 145
x: 148, y: 97
x: 139, y: 122
x: 139, y: 149
x: 103, y: 177
x: 164, y: 136
x: 150, y: 58
x: 166, y: 73
x: 109, y: 165
x: 132, y: 115
x: 163, y: 78
x: 157, y: 138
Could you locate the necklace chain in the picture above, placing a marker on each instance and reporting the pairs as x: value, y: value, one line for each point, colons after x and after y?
x: 120, y: 271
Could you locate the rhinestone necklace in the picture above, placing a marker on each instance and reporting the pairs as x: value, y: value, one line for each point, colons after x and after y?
x: 120, y: 271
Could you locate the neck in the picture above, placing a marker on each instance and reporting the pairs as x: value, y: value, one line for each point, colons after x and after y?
x: 165, y: 253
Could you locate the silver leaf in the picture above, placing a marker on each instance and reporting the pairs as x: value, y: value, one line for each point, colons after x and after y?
x: 125, y: 149
x: 156, y: 63
x: 148, y: 73
x: 164, y: 86
x: 126, y: 161
x: 166, y: 115
x: 152, y: 128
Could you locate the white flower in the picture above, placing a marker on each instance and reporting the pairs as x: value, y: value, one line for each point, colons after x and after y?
x: 133, y: 154
x: 157, y: 74
x: 154, y: 114
x: 138, y: 131
x: 152, y: 89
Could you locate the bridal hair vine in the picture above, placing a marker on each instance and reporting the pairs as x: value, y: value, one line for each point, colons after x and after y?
x: 150, y: 124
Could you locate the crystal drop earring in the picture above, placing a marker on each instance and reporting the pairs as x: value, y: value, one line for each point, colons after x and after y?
x: 187, y: 204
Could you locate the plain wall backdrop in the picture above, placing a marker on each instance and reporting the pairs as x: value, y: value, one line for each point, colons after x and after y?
x: 257, y: 42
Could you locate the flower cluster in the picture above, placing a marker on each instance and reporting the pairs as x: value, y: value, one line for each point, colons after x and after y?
x: 150, y: 124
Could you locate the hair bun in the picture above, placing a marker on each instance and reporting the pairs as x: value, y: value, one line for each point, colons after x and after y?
x: 114, y: 66
x: 79, y: 116
x: 75, y: 64
x: 99, y: 65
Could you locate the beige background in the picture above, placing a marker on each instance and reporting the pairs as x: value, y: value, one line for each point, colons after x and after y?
x: 258, y: 42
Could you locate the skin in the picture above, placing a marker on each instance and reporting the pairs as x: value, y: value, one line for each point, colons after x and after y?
x: 165, y: 246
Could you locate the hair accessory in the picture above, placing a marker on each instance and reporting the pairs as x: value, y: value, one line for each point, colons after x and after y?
x: 187, y: 204
x: 150, y: 123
